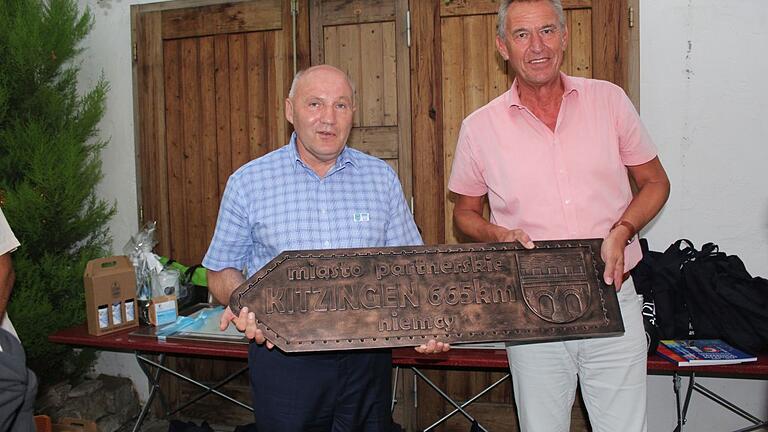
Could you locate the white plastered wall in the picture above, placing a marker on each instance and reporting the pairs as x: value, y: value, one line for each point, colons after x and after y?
x: 703, y: 94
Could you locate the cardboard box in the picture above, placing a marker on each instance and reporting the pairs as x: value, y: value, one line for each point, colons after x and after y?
x: 110, y: 295
x: 163, y: 310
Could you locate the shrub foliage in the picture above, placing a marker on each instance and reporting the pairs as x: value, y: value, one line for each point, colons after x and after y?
x: 49, y: 169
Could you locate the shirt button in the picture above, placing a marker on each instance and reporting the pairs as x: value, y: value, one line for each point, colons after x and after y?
x: 327, y: 243
x: 567, y: 202
x: 322, y: 211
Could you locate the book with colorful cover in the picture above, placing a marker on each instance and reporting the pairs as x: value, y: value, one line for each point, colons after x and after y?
x: 701, y: 352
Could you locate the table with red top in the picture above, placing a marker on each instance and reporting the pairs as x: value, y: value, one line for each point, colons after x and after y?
x: 457, y: 358
x: 145, y: 347
x: 496, y: 359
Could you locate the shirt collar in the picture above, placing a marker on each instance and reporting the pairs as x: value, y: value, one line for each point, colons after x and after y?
x: 346, y: 157
x: 570, y: 85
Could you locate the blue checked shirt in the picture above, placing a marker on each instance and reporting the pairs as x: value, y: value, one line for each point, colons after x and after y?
x: 276, y: 203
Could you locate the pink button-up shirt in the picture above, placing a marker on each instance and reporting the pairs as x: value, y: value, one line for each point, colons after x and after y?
x: 567, y: 184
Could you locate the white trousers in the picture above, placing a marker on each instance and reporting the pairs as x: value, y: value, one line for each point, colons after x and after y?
x: 611, y: 372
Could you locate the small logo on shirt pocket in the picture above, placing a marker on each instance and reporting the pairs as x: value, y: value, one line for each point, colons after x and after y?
x: 362, y: 217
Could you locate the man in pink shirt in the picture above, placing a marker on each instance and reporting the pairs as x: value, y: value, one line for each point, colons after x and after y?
x: 552, y: 155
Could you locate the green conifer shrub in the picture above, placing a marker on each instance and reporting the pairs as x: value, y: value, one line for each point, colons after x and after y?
x: 49, y: 169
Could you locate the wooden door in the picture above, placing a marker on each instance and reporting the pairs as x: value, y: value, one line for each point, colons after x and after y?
x: 210, y: 86
x: 210, y: 82
x: 368, y: 40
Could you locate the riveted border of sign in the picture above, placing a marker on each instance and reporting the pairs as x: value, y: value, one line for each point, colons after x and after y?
x: 415, y: 339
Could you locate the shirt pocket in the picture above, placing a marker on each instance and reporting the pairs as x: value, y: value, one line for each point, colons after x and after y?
x: 278, y: 234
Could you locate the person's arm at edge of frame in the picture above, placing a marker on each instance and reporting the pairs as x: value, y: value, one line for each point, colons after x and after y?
x: 653, y: 190
x: 221, y: 284
x: 468, y: 217
x: 7, y: 278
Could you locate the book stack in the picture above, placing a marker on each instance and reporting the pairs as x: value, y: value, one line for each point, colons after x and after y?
x: 701, y: 352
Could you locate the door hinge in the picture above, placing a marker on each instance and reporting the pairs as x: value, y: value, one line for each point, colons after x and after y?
x: 141, y: 215
x: 294, y: 7
x: 631, y: 17
x: 135, y: 50
x: 408, y: 27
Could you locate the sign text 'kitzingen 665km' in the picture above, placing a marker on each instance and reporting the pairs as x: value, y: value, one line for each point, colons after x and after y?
x: 342, y: 299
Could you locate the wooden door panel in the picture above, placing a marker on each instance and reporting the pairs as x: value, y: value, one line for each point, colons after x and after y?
x: 214, y: 79
x: 372, y: 70
x: 250, y: 125
x: 335, y: 12
x: 377, y: 141
x: 210, y: 83
x: 150, y: 121
x: 222, y: 104
x: 578, y: 56
x: 481, y: 7
x: 367, y: 40
x: 225, y: 18
x: 473, y: 74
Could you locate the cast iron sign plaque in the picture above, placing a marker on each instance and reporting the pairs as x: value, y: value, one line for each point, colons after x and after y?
x: 403, y: 296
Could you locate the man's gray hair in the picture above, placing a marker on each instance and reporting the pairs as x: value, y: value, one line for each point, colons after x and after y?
x: 557, y: 5
x: 297, y: 77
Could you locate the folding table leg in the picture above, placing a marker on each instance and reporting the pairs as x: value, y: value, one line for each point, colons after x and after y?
x: 197, y: 383
x: 682, y: 412
x: 476, y: 397
x: 730, y: 406
x: 155, y: 389
x: 208, y: 391
x: 394, y: 389
x: 447, y: 398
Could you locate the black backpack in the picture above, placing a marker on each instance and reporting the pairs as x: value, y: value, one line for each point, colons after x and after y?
x: 725, y: 301
x: 704, y: 295
x: 659, y: 279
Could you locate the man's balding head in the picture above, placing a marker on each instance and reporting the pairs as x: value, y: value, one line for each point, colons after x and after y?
x: 302, y: 74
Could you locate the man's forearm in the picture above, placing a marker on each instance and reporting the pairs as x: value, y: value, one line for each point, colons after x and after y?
x: 222, y: 283
x: 653, y: 191
x: 646, y: 204
x: 475, y: 226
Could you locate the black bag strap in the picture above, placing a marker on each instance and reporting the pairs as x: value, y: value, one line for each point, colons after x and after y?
x: 190, y: 272
x: 709, y: 249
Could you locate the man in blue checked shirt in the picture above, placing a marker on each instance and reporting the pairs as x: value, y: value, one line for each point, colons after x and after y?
x: 314, y: 193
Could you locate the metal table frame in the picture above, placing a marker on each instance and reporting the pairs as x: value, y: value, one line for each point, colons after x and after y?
x: 457, y: 358
x: 159, y: 366
x: 682, y: 410
x: 146, y: 348
x: 485, y: 359
x: 458, y: 408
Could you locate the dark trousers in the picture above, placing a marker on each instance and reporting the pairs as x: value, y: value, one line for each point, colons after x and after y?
x: 338, y: 392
